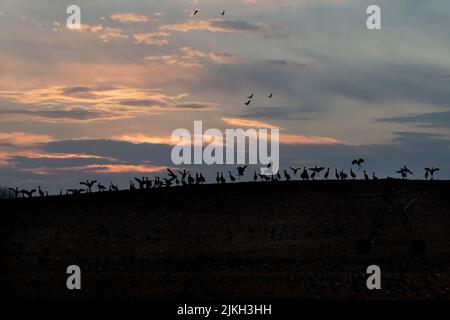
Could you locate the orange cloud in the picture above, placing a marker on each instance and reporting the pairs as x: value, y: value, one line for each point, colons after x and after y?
x: 248, y: 123
x: 190, y: 58
x: 142, y: 138
x: 299, y: 139
x: 83, y: 103
x: 122, y: 168
x: 152, y: 38
x: 129, y: 17
x: 22, y: 139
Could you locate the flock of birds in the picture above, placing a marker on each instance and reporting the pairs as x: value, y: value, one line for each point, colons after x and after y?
x: 185, y: 178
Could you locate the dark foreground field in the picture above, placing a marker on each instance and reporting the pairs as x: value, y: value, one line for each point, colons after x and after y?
x: 277, y: 240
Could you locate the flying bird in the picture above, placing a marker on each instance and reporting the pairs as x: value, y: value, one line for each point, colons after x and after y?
x: 270, y: 96
x: 251, y: 96
x: 223, y: 13
x: 248, y: 103
x: 195, y: 12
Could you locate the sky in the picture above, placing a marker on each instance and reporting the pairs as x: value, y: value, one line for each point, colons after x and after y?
x: 102, y: 102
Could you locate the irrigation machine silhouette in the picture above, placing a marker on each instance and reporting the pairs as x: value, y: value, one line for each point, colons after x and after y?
x: 392, y: 205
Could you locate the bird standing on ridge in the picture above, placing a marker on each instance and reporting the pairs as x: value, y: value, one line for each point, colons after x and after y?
x: 429, y: 173
x: 358, y: 162
x: 404, y: 172
x: 89, y: 184
x: 327, y: 174
x: 241, y: 171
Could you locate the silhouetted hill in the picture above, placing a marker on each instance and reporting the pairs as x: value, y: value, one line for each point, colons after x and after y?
x: 250, y: 240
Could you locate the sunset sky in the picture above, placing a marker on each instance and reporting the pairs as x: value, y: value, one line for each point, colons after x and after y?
x: 102, y: 102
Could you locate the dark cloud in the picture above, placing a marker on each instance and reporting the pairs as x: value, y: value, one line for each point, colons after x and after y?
x: 141, y: 103
x: 73, y: 114
x: 425, y: 120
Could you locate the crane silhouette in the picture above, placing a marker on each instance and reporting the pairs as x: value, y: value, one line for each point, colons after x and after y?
x: 286, y: 175
x: 195, y: 12
x: 251, y: 96
x: 15, y: 191
x: 232, y: 179
x: 89, y: 184
x: 100, y: 187
x: 404, y: 172
x: 429, y: 173
x: 248, y: 103
x: 183, y: 174
x: 327, y: 174
x: 358, y: 162
x: 366, y: 176
x: 113, y: 187
x: 28, y: 194
x: 241, y: 171
x: 352, y: 174
x: 295, y: 170
x: 305, y: 175
x: 41, y: 193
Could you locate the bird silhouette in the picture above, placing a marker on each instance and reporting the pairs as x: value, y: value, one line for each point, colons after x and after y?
x: 15, y: 191
x: 295, y: 170
x: 429, y: 173
x: 41, y: 193
x: 113, y: 187
x: 270, y: 96
x: 195, y: 12
x: 251, y: 96
x: 352, y: 174
x: 336, y: 174
x: 374, y: 177
x: 305, y: 175
x: 232, y: 179
x: 183, y: 174
x: 358, y: 162
x: 366, y: 176
x: 248, y: 103
x: 101, y: 187
x: 88, y: 184
x: 255, y: 177
x: 404, y: 172
x: 28, y: 194
x: 327, y: 174
x: 218, y: 178
x: 316, y: 171
x: 286, y: 175
x: 141, y: 182
x: 171, y: 173
x: 241, y: 171
x: 191, y: 180
x: 223, y: 13
x: 222, y: 179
